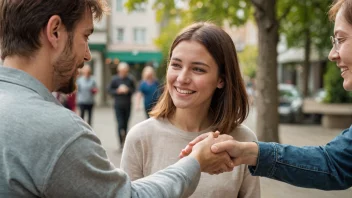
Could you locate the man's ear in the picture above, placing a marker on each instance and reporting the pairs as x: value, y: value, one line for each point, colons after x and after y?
x: 221, y: 83
x: 54, y: 29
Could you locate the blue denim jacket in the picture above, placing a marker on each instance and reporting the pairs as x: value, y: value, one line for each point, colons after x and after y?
x: 326, y: 167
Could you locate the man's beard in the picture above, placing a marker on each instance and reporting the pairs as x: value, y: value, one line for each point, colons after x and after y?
x: 70, y: 87
x: 66, y: 81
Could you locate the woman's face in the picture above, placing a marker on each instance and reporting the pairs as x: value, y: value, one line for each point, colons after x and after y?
x: 343, y: 58
x: 192, y: 76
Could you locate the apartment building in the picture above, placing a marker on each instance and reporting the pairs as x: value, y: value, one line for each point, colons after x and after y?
x: 131, y: 36
x: 124, y: 37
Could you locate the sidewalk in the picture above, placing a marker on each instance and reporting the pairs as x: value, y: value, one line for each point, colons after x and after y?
x: 300, y: 135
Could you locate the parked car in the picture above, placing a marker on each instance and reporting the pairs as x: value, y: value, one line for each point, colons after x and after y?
x: 290, y: 104
x: 319, y: 95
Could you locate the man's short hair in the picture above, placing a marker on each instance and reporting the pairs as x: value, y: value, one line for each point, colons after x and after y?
x: 22, y: 20
x: 122, y: 65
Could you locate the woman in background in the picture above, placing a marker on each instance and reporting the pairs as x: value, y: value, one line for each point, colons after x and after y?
x: 148, y: 89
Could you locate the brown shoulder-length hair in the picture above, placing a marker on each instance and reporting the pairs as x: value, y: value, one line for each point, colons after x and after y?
x: 22, y: 20
x: 346, y: 5
x: 229, y: 105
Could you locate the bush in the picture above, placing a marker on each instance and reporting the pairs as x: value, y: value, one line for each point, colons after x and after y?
x: 335, y: 93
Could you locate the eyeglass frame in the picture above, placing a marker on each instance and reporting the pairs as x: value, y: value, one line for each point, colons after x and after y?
x: 336, y: 43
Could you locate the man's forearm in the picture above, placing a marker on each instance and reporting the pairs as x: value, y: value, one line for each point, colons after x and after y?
x: 178, y: 180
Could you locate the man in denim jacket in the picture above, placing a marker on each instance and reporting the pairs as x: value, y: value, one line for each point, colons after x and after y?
x: 326, y: 167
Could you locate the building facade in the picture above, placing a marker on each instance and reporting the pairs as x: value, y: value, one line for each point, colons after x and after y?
x: 124, y: 37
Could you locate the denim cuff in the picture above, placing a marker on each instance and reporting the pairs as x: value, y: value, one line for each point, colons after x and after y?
x: 267, y: 155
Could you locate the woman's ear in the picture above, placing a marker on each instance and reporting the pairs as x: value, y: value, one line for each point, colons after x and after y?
x: 221, y: 83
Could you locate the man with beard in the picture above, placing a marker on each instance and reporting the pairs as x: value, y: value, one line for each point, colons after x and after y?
x: 47, y: 150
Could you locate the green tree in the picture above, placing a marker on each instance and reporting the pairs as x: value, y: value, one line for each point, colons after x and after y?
x: 307, y: 26
x: 237, y: 12
x: 168, y: 33
x: 248, y: 60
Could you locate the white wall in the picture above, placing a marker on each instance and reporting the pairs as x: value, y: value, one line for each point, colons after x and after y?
x: 129, y: 21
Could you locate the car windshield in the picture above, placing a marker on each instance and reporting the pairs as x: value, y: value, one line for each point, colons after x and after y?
x: 289, y: 93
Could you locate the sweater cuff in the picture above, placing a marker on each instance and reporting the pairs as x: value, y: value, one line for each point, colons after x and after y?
x: 191, y: 168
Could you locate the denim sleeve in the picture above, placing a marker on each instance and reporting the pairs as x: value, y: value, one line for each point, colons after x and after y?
x: 326, y: 167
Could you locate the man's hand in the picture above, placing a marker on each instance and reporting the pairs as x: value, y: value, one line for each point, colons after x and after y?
x: 241, y: 152
x: 210, y: 162
x: 122, y: 89
x: 188, y: 149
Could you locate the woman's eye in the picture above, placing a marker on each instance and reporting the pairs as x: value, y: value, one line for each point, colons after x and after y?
x: 341, y: 40
x: 198, y: 69
x: 175, y: 65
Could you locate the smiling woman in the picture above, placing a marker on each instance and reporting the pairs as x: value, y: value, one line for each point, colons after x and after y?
x: 204, y: 92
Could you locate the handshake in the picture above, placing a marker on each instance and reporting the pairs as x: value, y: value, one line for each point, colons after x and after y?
x: 220, y: 153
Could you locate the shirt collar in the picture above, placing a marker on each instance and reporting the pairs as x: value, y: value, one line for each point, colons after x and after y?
x: 21, y: 78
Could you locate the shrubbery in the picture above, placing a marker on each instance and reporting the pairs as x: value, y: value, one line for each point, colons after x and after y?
x: 335, y: 93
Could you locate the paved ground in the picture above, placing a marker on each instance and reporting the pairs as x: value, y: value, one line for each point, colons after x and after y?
x: 300, y: 135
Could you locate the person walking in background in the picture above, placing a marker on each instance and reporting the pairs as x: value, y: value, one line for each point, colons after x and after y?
x: 86, y: 90
x: 121, y: 88
x: 71, y: 101
x: 204, y: 92
x: 148, y: 89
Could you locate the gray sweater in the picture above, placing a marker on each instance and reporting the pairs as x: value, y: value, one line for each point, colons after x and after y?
x: 48, y: 151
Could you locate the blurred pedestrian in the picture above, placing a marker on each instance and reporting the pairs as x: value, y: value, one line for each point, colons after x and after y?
x: 121, y: 88
x: 149, y: 89
x: 47, y: 150
x: 327, y: 167
x: 71, y: 101
x: 204, y: 92
x: 86, y: 90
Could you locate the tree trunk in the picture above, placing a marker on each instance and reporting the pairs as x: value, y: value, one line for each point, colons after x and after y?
x: 266, y: 85
x: 307, y: 42
x: 306, y: 64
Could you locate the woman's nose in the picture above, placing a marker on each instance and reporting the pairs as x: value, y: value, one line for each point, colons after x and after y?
x: 184, y: 77
x: 333, y: 55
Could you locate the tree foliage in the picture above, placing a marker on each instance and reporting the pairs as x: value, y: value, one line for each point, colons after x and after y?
x: 335, y: 93
x: 307, y: 26
x: 307, y: 15
x: 248, y: 60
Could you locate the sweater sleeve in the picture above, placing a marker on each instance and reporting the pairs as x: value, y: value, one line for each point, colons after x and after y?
x: 83, y: 170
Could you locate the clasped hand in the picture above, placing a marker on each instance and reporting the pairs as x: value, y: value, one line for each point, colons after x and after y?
x: 210, y: 162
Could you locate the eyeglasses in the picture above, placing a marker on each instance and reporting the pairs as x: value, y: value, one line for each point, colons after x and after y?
x: 337, y: 41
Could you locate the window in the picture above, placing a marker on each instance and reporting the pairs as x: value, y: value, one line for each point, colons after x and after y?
x: 119, y: 5
x: 120, y: 34
x: 142, y: 7
x: 139, y: 35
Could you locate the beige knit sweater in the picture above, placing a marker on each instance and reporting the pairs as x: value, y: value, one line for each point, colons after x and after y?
x: 154, y: 144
